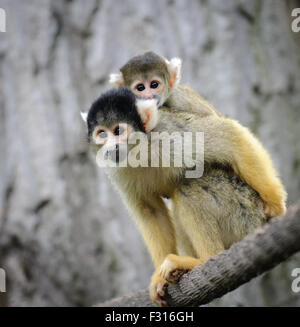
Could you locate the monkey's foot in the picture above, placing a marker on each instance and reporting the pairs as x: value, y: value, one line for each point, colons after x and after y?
x: 274, y: 197
x: 174, y: 266
x: 275, y: 209
x: 157, y: 290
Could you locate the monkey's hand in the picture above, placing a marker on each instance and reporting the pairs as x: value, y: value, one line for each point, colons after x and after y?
x: 174, y: 266
x: 169, y: 272
x: 157, y: 289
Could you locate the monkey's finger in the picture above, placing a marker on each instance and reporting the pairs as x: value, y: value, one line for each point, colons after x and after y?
x: 160, y: 293
x: 175, y: 275
x: 160, y: 288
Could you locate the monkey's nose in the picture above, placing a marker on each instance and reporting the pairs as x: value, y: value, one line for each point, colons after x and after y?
x: 148, y: 94
x: 113, y: 153
x: 117, y: 153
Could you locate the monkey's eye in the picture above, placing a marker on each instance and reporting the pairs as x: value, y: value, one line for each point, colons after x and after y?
x: 102, y: 134
x: 154, y: 84
x: 140, y: 87
x: 119, y: 130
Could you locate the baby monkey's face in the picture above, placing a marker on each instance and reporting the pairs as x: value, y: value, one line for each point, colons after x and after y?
x: 148, y: 87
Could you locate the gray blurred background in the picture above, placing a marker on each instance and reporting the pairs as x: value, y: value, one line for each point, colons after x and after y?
x: 65, y: 237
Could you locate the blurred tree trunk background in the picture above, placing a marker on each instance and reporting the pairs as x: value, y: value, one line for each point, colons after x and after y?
x: 65, y: 237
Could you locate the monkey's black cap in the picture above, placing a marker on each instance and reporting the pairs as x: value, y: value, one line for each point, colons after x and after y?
x: 114, y: 106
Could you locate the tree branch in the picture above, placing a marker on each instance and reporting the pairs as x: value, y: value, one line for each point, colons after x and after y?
x: 257, y: 253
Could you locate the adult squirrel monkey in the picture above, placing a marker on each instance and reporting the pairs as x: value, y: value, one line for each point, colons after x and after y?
x: 152, y: 76
x: 208, y: 214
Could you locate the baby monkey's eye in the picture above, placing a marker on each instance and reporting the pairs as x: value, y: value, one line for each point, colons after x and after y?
x: 119, y: 130
x: 154, y: 84
x: 140, y: 87
x: 101, y: 133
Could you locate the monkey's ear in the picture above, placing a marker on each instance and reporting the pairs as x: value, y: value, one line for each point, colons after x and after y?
x: 148, y: 112
x: 116, y: 79
x: 84, y: 116
x: 174, y: 68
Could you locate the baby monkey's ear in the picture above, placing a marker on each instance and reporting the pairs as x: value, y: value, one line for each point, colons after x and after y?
x: 148, y: 112
x: 116, y: 79
x: 84, y: 116
x: 174, y: 68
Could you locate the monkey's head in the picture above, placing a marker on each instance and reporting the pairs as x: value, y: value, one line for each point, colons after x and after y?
x: 114, y: 117
x: 149, y: 76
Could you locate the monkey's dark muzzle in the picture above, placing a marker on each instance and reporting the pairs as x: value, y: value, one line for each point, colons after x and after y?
x: 117, y: 154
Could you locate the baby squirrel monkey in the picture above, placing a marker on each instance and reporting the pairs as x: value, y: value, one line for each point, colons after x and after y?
x: 208, y: 214
x: 152, y: 76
